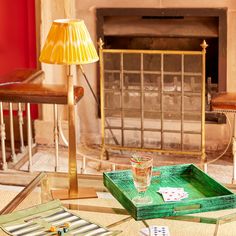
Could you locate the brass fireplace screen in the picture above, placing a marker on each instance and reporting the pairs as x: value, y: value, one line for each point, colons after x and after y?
x: 153, y: 100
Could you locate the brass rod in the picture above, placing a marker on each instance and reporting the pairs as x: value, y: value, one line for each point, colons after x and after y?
x: 73, y: 181
x: 56, y: 136
x: 142, y: 101
x: 156, y: 130
x: 154, y: 91
x: 203, y: 155
x: 152, y: 51
x: 154, y: 72
x: 121, y: 96
x: 135, y: 109
x: 153, y: 150
x: 161, y: 99
x: 11, y: 206
x: 182, y: 102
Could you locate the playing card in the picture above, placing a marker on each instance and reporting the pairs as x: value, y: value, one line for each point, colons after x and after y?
x: 172, y: 194
x: 155, y: 231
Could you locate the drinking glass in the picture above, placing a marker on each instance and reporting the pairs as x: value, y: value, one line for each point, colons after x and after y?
x: 142, y: 174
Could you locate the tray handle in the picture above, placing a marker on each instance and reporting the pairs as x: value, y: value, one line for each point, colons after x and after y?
x: 187, y: 208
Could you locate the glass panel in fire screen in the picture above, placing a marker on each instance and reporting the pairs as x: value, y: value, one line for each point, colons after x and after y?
x: 132, y: 62
x: 171, y: 121
x: 192, y: 142
x: 193, y: 64
x: 172, y: 83
x: 132, y: 138
x: 152, y: 120
x: 113, y: 136
x: 172, y: 141
x: 112, y: 100
x: 112, y: 80
x: 192, y: 84
x: 152, y: 139
x: 132, y: 118
x: 192, y: 122
x: 172, y: 102
x: 172, y: 63
x: 152, y: 82
x: 113, y: 118
x: 131, y: 81
x: 192, y: 103
x: 152, y: 63
x: 112, y: 61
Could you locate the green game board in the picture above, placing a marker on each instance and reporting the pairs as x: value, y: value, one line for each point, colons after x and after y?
x: 36, y: 221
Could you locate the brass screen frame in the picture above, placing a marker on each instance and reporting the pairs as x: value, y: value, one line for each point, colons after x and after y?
x: 106, y: 146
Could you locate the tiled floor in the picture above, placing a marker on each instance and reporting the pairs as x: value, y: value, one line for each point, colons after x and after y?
x: 44, y: 160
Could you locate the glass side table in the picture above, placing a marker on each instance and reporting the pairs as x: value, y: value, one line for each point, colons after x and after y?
x: 107, y: 211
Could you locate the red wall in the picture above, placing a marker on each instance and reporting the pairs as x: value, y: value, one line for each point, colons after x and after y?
x: 18, y: 37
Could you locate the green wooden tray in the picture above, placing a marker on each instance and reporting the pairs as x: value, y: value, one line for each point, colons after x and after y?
x: 205, y: 193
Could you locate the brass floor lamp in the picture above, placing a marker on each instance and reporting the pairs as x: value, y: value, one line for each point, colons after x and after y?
x: 69, y: 43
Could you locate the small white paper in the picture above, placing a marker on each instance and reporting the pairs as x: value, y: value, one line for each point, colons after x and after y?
x: 155, y: 230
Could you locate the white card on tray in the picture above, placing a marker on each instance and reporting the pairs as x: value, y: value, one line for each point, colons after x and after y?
x: 155, y: 231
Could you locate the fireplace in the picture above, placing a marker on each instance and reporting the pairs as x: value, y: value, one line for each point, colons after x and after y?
x: 169, y: 29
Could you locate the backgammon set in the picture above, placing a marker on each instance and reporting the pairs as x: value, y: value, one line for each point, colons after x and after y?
x: 50, y: 219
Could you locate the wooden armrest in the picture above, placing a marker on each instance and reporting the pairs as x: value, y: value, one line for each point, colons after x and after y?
x: 224, y: 101
x: 22, y: 76
x: 38, y: 93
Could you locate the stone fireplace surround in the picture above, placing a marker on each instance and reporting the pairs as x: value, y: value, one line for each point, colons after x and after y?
x: 87, y: 109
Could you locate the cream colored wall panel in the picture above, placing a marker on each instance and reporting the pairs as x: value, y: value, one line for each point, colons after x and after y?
x: 231, y: 52
x: 90, y: 4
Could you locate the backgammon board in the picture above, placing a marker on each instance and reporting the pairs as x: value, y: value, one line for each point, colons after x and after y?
x: 39, y: 220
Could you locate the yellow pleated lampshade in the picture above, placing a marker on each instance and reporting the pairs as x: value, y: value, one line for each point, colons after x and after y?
x: 68, y: 42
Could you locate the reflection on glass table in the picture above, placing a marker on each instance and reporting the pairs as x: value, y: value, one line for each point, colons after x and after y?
x: 106, y: 210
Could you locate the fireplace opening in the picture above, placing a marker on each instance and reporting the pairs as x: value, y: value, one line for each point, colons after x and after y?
x: 171, y: 29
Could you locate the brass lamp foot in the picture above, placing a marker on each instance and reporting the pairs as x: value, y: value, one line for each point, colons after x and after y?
x: 63, y: 194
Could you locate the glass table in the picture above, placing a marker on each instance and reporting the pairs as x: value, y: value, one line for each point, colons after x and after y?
x: 108, y: 212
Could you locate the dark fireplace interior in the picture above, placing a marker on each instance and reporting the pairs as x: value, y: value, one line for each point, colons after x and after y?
x: 170, y: 43
x: 170, y: 29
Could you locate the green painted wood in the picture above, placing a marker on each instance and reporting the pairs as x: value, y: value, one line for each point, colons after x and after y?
x: 205, y: 193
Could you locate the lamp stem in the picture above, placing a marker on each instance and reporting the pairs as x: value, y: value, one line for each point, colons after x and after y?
x: 73, y: 182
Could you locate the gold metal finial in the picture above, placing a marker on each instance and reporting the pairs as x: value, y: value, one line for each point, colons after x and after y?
x: 204, y: 45
x: 100, y: 43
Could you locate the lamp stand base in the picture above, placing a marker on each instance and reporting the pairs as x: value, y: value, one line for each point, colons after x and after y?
x: 63, y: 194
